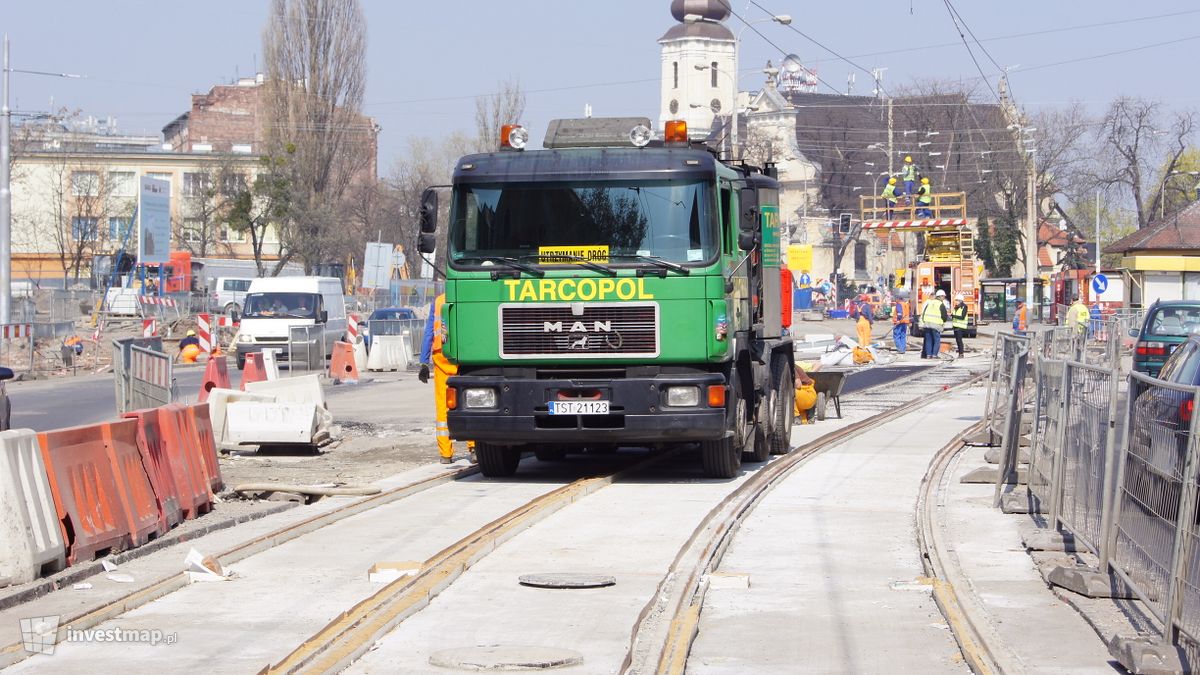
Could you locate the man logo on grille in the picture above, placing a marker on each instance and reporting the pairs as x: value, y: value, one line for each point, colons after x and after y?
x: 577, y: 327
x: 39, y: 634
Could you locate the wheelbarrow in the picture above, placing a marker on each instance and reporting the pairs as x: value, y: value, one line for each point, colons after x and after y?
x: 828, y: 384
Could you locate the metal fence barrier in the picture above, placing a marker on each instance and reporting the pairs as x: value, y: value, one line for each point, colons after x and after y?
x: 1049, y: 412
x: 122, y: 355
x: 306, y: 348
x: 1007, y: 402
x: 150, y: 378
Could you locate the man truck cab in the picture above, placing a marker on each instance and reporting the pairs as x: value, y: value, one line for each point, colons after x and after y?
x: 274, y: 306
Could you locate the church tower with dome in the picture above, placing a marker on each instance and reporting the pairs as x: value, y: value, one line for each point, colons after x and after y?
x: 698, y: 65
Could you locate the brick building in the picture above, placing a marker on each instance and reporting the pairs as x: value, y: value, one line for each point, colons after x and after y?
x: 230, y: 118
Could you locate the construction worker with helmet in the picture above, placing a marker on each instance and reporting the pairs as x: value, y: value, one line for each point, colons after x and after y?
x: 431, y: 352
x: 890, y: 196
x: 924, y: 199
x: 933, y: 317
x: 900, y: 321
x: 958, y: 319
x: 1078, y: 316
x: 189, y: 347
x: 909, y: 174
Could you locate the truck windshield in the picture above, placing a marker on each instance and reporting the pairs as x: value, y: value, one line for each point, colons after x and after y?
x: 671, y: 220
x: 282, y: 305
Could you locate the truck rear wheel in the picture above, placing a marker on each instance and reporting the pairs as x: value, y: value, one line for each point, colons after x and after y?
x: 721, y: 458
x: 497, y: 461
x: 782, y: 378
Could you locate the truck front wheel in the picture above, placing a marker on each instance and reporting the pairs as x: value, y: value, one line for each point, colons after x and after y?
x: 497, y: 461
x: 783, y: 383
x: 722, y: 458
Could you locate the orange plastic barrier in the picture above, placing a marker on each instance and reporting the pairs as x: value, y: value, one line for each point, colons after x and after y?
x: 171, y: 480
x: 254, y: 370
x: 187, y: 466
x: 216, y: 374
x: 343, y: 368
x: 101, y: 490
x: 206, y: 444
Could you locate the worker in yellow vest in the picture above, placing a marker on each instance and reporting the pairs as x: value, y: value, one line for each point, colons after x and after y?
x: 958, y: 319
x: 924, y: 200
x: 889, y: 197
x: 431, y: 352
x: 933, y: 317
x: 909, y: 174
x: 1078, y: 316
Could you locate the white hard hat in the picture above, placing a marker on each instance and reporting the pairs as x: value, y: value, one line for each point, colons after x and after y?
x: 940, y: 293
x: 959, y: 296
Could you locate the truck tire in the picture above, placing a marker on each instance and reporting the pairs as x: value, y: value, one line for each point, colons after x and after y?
x: 822, y: 402
x: 782, y: 378
x: 497, y: 461
x: 550, y: 453
x: 721, y: 458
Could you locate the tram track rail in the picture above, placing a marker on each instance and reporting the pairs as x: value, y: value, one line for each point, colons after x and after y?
x: 662, y: 638
x: 353, y: 632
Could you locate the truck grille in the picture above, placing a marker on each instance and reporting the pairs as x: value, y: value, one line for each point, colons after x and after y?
x: 581, y: 331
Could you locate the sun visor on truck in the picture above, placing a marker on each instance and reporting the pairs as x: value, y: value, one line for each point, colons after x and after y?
x: 592, y: 132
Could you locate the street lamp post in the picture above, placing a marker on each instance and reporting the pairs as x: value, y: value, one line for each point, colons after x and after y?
x: 6, y: 186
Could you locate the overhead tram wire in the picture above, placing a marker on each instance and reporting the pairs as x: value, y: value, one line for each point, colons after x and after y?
x: 783, y: 53
x: 966, y: 44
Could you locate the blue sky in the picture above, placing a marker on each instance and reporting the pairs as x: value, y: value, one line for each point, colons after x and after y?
x: 428, y: 61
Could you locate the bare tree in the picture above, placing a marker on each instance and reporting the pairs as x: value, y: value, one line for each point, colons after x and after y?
x: 77, y: 212
x: 423, y: 163
x: 206, y: 201
x: 1136, y: 135
x: 506, y: 106
x: 317, y: 137
x: 258, y: 208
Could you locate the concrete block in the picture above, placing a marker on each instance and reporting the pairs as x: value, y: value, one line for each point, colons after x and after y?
x: 270, y: 363
x: 984, y: 437
x: 360, y: 355
x: 1147, y: 656
x: 219, y: 400
x: 1050, y: 540
x: 1088, y: 583
x: 306, y: 389
x: 990, y: 474
x: 388, y: 352
x: 30, y: 538
x: 255, y: 423
x: 992, y: 456
x: 1019, y: 502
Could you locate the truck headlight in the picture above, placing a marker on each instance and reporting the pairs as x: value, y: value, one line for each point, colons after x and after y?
x: 479, y: 397
x: 245, y: 338
x: 683, y: 397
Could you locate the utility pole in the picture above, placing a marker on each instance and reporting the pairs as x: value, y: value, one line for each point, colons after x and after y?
x: 1017, y: 126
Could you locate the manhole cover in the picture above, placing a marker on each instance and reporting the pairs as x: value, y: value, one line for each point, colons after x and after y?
x: 567, y: 580
x: 497, y: 657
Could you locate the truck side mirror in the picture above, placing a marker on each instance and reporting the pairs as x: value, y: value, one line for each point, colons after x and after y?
x: 323, y: 316
x: 426, y: 242
x: 748, y: 218
x: 429, y: 212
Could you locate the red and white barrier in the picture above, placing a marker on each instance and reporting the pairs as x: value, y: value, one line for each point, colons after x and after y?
x: 149, y: 328
x: 912, y: 224
x: 16, y: 330
x: 226, y: 322
x: 352, y: 328
x: 204, y: 332
x: 155, y: 300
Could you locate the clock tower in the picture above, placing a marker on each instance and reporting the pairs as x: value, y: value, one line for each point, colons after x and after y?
x: 699, y: 79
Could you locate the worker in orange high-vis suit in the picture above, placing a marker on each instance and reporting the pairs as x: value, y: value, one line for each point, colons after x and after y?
x: 431, y: 352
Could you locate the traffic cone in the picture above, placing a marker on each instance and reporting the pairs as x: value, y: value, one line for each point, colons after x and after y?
x: 254, y: 370
x: 216, y: 374
x: 343, y: 369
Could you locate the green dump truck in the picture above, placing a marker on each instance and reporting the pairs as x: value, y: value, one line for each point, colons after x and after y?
x: 613, y: 289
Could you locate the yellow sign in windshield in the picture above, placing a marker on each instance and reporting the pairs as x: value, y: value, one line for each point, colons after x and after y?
x: 571, y: 254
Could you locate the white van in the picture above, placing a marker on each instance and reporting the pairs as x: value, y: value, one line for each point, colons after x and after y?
x: 276, y: 305
x: 229, y: 294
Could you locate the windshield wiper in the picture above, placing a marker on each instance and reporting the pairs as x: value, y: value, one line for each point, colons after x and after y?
x: 574, y: 258
x: 659, y: 262
x: 510, y: 262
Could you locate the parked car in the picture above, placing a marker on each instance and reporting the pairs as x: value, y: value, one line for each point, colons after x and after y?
x: 387, y: 314
x: 5, y: 404
x: 1160, y: 433
x: 229, y: 294
x: 1167, y: 325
